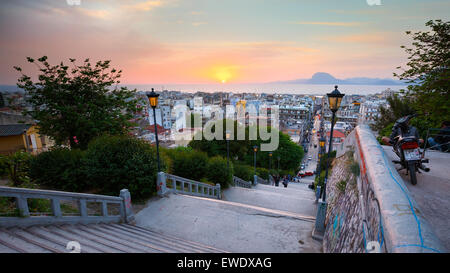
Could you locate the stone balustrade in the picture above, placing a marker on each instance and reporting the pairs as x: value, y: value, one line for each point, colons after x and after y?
x: 171, y: 183
x: 24, y: 217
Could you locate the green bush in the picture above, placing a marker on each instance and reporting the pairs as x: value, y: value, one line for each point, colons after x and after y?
x: 3, y: 165
x: 341, y: 185
x: 113, y: 163
x: 59, y: 168
x: 355, y: 169
x: 319, y: 180
x: 218, y: 171
x: 18, y: 166
x: 243, y: 171
x: 263, y: 173
x: 188, y: 163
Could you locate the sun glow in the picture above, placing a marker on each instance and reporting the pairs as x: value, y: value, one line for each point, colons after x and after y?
x: 222, y: 73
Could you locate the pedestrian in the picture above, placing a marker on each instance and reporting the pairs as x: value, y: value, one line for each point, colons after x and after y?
x: 441, y: 141
x: 285, y: 181
x: 277, y: 180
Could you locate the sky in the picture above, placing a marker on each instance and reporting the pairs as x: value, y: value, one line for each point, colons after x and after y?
x: 215, y: 41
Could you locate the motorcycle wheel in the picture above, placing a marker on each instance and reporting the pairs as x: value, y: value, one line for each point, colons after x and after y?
x: 412, y: 173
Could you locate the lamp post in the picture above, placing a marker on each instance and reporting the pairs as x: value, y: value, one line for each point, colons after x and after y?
x: 227, y: 136
x: 321, y: 146
x: 270, y: 161
x: 334, y: 102
x: 255, y: 149
x: 153, y: 99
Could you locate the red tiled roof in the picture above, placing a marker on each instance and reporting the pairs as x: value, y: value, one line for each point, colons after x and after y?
x: 336, y: 134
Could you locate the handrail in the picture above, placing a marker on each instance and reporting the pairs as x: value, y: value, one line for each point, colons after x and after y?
x: 22, y: 195
x: 178, y: 185
x: 262, y: 181
x: 238, y: 182
x: 402, y: 225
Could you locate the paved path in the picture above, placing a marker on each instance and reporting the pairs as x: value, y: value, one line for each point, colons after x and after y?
x: 432, y: 192
x: 231, y: 226
x: 296, y: 198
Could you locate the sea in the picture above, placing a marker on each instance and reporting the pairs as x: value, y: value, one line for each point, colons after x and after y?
x: 269, y: 88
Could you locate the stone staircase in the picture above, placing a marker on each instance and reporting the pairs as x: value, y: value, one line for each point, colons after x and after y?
x: 95, y: 238
x: 260, y: 219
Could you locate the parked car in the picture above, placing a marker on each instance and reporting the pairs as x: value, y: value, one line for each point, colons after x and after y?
x: 310, y: 158
x: 309, y: 173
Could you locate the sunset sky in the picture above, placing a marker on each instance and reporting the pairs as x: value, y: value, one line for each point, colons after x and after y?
x: 212, y: 41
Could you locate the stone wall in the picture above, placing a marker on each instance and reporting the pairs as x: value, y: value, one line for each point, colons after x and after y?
x: 344, y: 225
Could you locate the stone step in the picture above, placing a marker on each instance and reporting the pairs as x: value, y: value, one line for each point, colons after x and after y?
x: 197, y: 245
x: 230, y: 226
x: 299, y: 200
x: 94, y: 238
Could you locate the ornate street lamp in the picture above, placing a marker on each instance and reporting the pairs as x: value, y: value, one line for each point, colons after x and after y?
x: 228, y: 136
x: 153, y: 99
x: 334, y: 101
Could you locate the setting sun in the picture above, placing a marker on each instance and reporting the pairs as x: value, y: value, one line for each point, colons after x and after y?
x: 222, y: 73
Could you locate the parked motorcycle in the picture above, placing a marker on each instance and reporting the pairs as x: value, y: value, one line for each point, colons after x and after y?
x: 405, y: 142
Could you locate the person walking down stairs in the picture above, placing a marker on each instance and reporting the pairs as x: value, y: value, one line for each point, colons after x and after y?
x: 285, y: 181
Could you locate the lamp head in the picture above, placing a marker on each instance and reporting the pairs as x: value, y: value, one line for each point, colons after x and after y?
x: 335, y: 99
x: 255, y: 148
x: 153, y: 98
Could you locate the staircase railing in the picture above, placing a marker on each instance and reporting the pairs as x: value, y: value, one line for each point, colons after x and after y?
x: 172, y: 183
x: 238, y: 182
x: 23, y: 217
x: 262, y: 181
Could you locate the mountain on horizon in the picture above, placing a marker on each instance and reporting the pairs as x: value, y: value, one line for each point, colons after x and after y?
x: 326, y: 78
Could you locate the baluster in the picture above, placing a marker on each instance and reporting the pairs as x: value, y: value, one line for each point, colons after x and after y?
x: 56, y: 207
x: 22, y: 206
x: 83, y: 208
x: 190, y: 187
x: 104, y: 208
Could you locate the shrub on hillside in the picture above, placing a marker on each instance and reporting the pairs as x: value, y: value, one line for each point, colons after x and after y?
x: 113, y: 163
x: 59, y: 168
x: 243, y: 171
x: 262, y: 172
x: 188, y: 163
x: 218, y: 171
x: 3, y: 165
x: 18, y: 166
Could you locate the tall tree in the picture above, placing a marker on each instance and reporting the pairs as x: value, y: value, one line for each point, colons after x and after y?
x: 397, y: 107
x: 428, y: 72
x: 74, y: 105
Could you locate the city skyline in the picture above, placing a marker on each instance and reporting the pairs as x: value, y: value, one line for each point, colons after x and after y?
x: 208, y: 42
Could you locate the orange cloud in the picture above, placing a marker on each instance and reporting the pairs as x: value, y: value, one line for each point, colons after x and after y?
x: 144, y: 6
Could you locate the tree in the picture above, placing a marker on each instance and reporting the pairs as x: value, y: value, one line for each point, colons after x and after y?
x: 397, y: 107
x: 290, y: 153
x: 74, y: 105
x: 428, y: 72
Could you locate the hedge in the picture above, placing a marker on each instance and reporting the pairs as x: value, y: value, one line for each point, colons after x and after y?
x: 60, y: 168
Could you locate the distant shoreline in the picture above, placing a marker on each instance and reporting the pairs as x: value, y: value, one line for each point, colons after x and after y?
x: 269, y: 88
